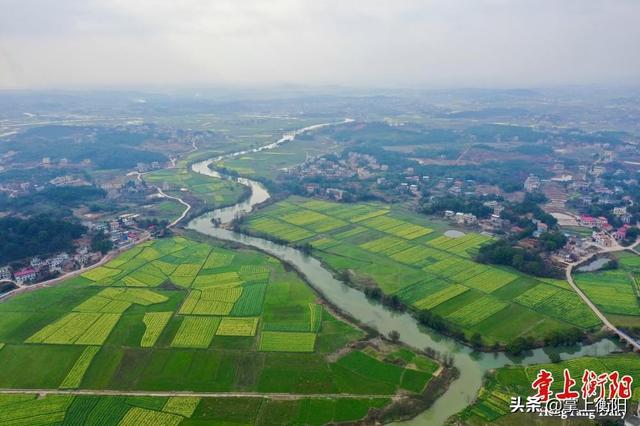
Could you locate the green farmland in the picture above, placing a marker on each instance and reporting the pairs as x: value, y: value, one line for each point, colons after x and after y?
x: 24, y: 409
x: 208, y: 190
x: 492, y: 403
x: 177, y: 315
x: 615, y: 291
x: 165, y: 209
x: 408, y: 256
x: 270, y: 163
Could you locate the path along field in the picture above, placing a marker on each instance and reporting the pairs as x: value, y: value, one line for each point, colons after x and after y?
x: 406, y: 255
x: 177, y: 315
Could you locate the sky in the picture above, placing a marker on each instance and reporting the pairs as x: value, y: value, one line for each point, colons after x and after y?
x: 395, y: 43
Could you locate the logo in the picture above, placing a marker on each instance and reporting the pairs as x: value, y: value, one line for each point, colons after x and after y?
x: 600, y: 395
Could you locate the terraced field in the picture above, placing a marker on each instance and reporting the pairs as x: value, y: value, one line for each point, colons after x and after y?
x: 197, y: 318
x: 406, y: 255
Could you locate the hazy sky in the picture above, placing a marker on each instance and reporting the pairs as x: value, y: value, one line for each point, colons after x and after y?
x: 451, y: 43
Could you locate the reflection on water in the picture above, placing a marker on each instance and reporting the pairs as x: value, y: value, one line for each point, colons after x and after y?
x: 598, y: 263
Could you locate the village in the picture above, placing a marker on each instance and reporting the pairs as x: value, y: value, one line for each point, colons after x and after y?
x: 121, y: 234
x: 589, y: 200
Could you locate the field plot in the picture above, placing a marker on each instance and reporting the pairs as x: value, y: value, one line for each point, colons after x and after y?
x: 273, y: 336
x: 117, y: 300
x: 397, y: 227
x: 280, y: 229
x: 493, y: 400
x: 209, y: 190
x: 223, y: 279
x: 77, y: 328
x: 629, y: 261
x: 419, y: 255
x: 536, y: 296
x: 218, y: 259
x: 211, y: 301
x: 490, y: 280
x: 441, y: 296
x: 235, y: 326
x: 182, y: 405
x: 255, y: 272
x: 101, y: 273
x: 315, y: 317
x: 386, y: 245
x: 317, y: 222
x: 419, y: 291
x: 282, y: 341
x: 477, y: 311
x: 153, y: 411
x: 30, y: 412
x: 196, y: 332
x: 461, y: 245
x: 250, y: 301
x: 137, y: 416
x: 76, y: 374
x: 401, y: 253
x: 154, y: 322
x: 611, y: 290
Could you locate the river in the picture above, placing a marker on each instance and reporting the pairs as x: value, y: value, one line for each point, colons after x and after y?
x: 472, y: 365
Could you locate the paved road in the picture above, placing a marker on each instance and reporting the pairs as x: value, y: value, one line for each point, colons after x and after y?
x: 624, y: 336
x: 101, y: 392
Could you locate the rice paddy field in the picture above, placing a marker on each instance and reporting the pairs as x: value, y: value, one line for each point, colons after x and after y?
x: 212, y: 191
x: 407, y: 255
x: 615, y: 291
x: 184, y: 316
x: 492, y: 403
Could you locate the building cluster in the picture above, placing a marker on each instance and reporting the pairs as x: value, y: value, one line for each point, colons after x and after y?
x: 461, y: 218
x: 146, y: 167
x: 119, y: 230
x: 39, y: 268
x: 351, y: 165
x: 68, y: 180
x: 26, y: 187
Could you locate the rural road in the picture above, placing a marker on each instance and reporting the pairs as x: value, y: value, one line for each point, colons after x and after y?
x: 105, y: 392
x: 624, y: 336
x: 162, y: 194
x: 181, y: 201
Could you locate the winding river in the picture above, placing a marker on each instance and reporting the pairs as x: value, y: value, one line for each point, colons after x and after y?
x: 472, y: 365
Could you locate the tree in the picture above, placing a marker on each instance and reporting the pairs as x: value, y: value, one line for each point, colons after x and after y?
x: 394, y: 336
x: 476, y: 340
x: 100, y: 242
x: 39, y: 235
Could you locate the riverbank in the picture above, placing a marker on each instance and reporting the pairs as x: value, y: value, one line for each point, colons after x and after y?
x: 404, y: 406
x: 471, y: 365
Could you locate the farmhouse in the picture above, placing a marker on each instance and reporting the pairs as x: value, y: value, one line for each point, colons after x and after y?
x: 5, y: 273
x: 532, y: 183
x: 24, y: 275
